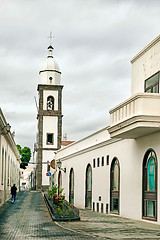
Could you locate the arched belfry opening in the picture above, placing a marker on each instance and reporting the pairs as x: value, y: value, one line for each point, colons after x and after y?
x: 50, y: 103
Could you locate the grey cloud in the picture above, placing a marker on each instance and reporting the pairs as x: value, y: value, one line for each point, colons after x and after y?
x: 94, y: 42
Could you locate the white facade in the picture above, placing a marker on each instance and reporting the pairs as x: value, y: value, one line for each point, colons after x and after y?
x: 25, y: 178
x: 123, y: 157
x: 9, y: 161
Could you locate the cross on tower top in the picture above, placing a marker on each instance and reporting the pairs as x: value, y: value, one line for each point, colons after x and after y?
x: 51, y: 36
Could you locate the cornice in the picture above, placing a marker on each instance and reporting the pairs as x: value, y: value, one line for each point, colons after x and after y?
x: 91, y: 148
x: 144, y: 50
x: 49, y: 87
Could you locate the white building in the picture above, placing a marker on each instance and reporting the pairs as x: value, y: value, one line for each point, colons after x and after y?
x: 26, y: 178
x: 49, y: 118
x: 116, y: 169
x: 9, y: 161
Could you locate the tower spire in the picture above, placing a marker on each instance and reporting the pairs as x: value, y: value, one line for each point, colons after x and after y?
x: 50, y: 48
x: 51, y: 37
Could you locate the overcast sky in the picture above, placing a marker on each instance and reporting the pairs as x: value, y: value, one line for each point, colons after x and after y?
x: 94, y: 41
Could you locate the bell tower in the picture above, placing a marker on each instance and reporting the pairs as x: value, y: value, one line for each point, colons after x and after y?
x: 49, y: 116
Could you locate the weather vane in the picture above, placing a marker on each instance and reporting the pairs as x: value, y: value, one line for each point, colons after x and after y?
x: 51, y: 36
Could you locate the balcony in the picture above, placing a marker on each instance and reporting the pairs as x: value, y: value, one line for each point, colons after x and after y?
x: 136, y: 117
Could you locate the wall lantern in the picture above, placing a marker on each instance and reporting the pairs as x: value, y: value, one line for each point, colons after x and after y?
x: 59, y: 165
x: 6, y: 128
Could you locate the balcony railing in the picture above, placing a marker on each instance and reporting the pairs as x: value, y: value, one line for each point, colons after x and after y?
x: 140, y: 106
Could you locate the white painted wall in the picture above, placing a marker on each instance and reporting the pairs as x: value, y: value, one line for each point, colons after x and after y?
x: 44, y: 78
x: 144, y: 65
x: 90, y: 140
x: 9, y: 173
x: 47, y: 156
x: 50, y: 125
x: 130, y: 154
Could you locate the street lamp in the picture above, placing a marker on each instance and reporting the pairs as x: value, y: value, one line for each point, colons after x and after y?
x: 59, y: 165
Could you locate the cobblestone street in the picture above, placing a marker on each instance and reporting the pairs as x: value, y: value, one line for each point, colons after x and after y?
x: 28, y: 218
x: 104, y: 226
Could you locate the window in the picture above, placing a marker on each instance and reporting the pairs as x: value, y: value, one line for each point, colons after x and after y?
x: 101, y: 207
x: 50, y: 103
x: 97, y: 207
x: 93, y: 206
x: 115, y: 186
x: 50, y: 138
x: 152, y: 84
x: 71, y: 186
x: 102, y: 161
x: 107, y: 160
x: 97, y: 162
x: 94, y: 163
x: 106, y: 207
x: 88, y: 197
x: 8, y: 169
x: 2, y: 174
x: 150, y: 185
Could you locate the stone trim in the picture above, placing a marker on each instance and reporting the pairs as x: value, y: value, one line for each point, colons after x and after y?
x: 144, y: 50
x: 49, y: 87
x: 47, y: 149
x: 88, y: 149
x: 49, y: 70
x: 49, y: 113
x: 40, y: 142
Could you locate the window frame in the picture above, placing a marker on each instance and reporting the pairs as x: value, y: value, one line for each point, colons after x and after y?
x: 47, y: 142
x: 153, y: 85
x: 149, y: 195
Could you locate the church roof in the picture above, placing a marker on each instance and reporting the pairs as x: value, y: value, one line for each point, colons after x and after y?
x: 50, y: 63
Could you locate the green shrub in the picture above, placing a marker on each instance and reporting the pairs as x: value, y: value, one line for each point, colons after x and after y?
x: 52, y: 192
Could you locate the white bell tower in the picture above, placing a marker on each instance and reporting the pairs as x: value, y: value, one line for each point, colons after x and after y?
x: 49, y: 116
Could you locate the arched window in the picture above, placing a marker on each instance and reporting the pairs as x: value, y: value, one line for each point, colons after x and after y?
x: 2, y: 169
x: 71, y: 187
x: 50, y: 103
x: 88, y: 197
x: 150, y: 185
x: 115, y: 186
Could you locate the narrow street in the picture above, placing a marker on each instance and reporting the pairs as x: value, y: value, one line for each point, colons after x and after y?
x: 28, y: 218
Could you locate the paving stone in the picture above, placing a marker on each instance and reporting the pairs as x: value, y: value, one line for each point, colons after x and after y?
x: 28, y: 218
x: 105, y: 226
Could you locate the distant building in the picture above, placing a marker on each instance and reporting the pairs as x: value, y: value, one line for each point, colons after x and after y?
x: 116, y: 169
x: 26, y: 179
x: 9, y: 161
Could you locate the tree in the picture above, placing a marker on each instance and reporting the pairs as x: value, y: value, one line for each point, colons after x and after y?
x: 25, y: 156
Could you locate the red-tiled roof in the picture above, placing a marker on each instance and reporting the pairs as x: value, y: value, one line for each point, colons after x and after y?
x: 66, y: 143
